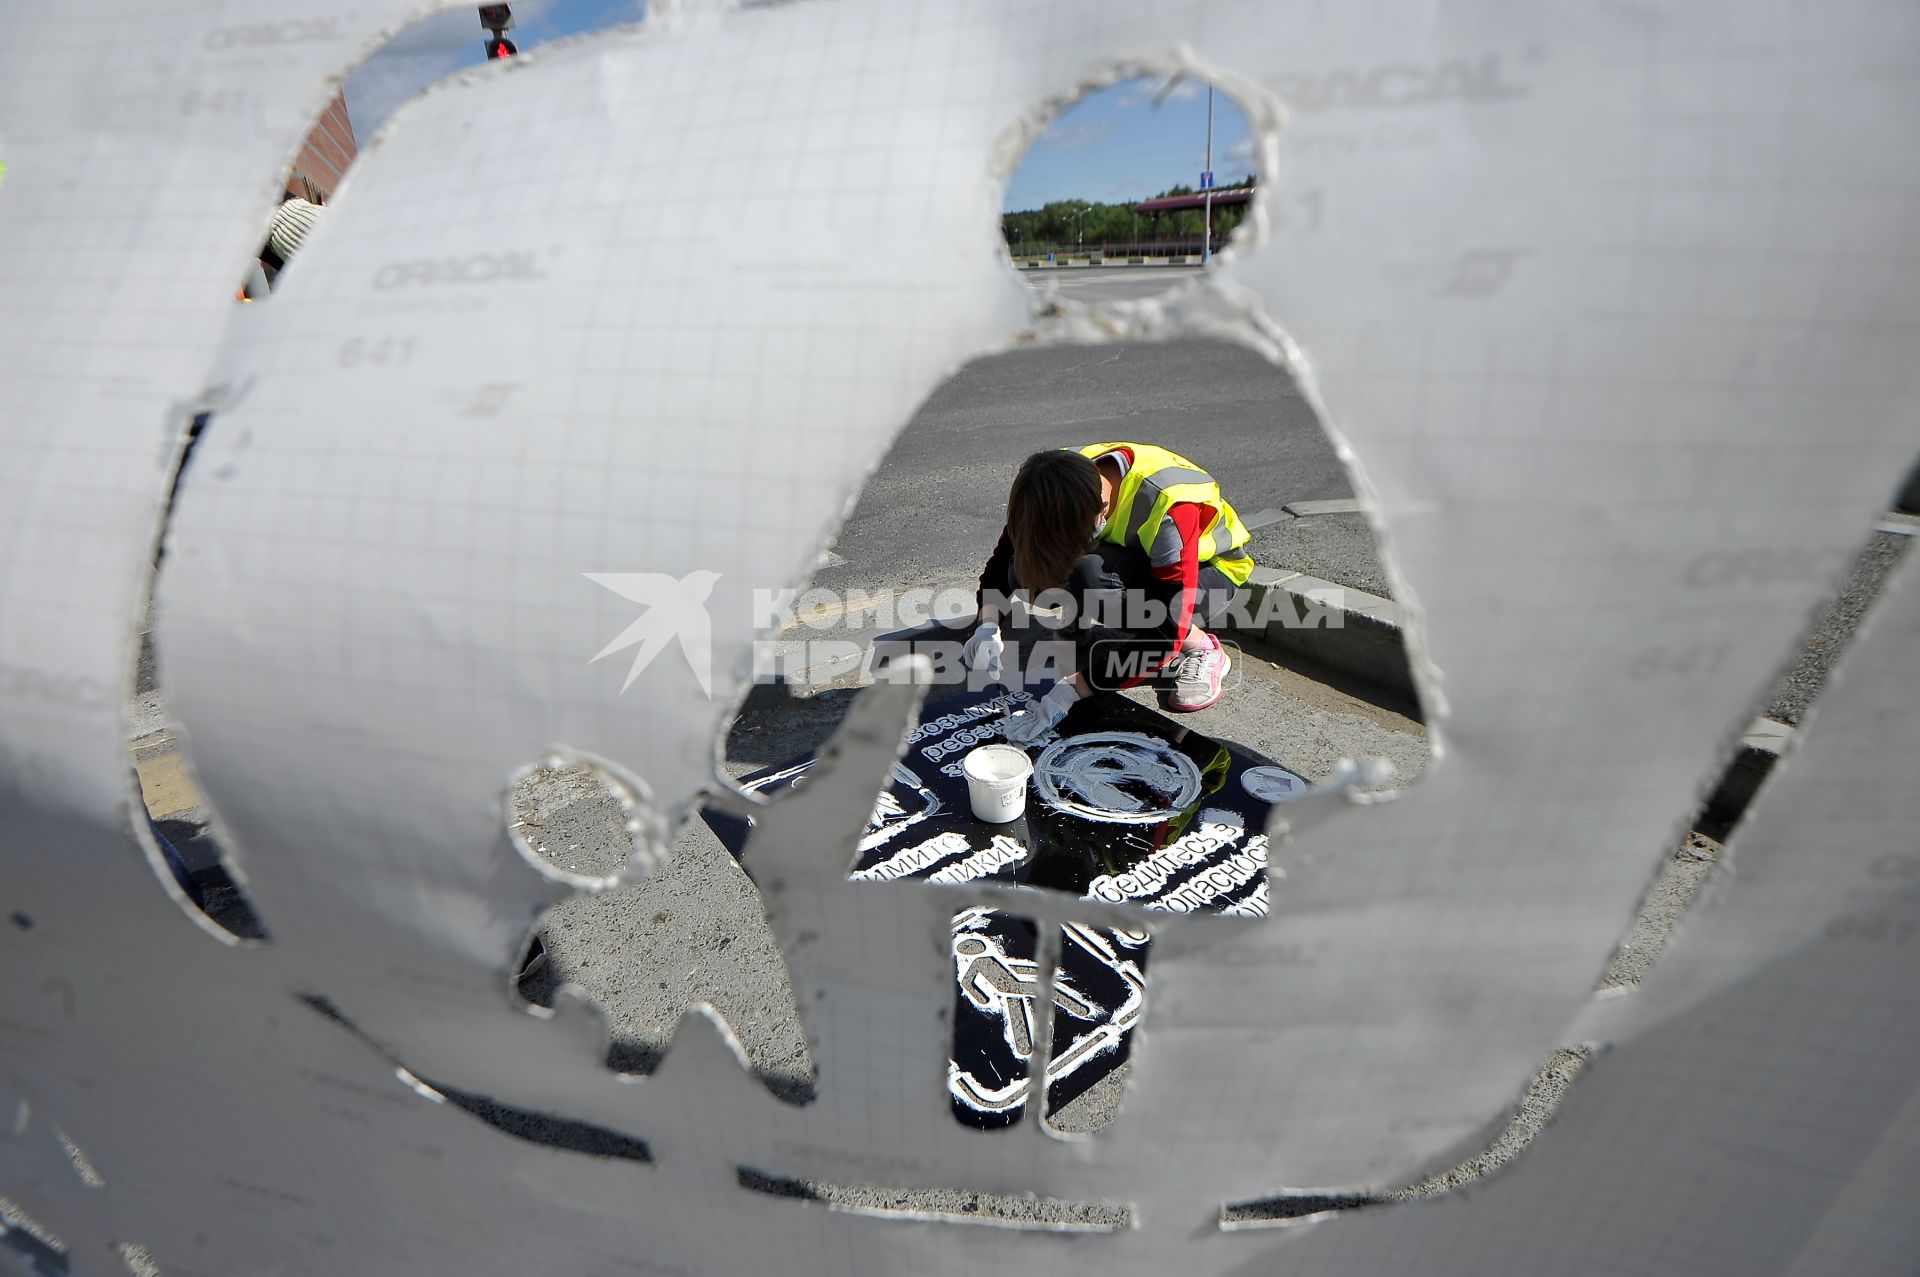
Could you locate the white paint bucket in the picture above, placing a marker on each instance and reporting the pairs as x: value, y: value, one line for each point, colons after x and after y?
x: 997, y: 782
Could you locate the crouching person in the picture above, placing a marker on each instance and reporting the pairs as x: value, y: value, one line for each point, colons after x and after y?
x: 1149, y: 554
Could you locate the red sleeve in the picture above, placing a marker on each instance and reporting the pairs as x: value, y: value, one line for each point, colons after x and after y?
x: 1190, y: 520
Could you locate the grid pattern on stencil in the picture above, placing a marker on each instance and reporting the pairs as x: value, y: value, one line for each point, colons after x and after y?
x: 98, y: 292
x: 293, y: 503
x: 638, y: 484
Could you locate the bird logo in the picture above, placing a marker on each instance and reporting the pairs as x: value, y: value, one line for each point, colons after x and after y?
x: 676, y: 609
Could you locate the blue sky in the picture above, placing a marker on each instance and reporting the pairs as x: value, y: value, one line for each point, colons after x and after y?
x: 430, y: 51
x: 1119, y: 145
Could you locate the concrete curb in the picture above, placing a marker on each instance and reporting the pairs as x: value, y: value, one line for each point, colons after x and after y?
x: 1765, y: 741
x: 1113, y: 262
x: 1908, y: 502
x: 1344, y: 628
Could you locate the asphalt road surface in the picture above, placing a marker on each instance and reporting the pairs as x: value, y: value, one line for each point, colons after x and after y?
x: 931, y: 512
x: 1110, y: 283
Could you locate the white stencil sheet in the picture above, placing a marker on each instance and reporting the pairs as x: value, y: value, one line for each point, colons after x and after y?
x: 1614, y: 307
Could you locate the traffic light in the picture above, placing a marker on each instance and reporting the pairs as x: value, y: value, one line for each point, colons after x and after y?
x: 498, y: 20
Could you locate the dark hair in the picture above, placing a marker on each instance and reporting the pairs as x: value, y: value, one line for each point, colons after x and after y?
x: 1051, y: 510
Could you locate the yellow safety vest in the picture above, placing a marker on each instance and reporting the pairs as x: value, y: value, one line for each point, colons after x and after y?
x: 1157, y: 480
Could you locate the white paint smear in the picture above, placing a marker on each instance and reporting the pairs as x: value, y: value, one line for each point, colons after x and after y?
x: 1124, y: 777
x: 1272, y: 784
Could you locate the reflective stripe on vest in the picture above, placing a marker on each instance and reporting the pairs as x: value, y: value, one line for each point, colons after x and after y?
x: 1159, y: 479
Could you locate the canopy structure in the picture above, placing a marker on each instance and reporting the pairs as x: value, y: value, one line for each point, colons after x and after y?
x: 1180, y: 203
x: 1175, y: 204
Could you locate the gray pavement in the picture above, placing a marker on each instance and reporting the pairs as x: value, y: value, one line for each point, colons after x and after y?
x: 930, y: 513
x: 1092, y: 284
x: 1833, y: 628
x: 1333, y: 547
x: 695, y: 932
x: 934, y: 507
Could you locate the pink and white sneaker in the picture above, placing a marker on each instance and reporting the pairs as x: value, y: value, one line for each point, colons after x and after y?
x: 1198, y: 677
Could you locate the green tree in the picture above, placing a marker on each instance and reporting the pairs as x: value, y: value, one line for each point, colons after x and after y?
x: 1065, y: 225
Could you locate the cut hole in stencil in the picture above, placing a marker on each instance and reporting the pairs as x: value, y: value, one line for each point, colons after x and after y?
x: 173, y: 823
x: 997, y: 1017
x: 1504, y: 1141
x: 1303, y: 678
x: 1131, y: 189
x: 534, y: 1127
x: 1296, y: 699
x: 689, y: 930
x: 430, y: 50
x: 575, y: 821
x: 950, y: 1205
x: 1002, y: 1023
x: 31, y: 1248
x: 138, y: 1259
x: 178, y: 831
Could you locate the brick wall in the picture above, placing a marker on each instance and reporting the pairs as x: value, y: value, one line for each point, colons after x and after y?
x: 324, y: 156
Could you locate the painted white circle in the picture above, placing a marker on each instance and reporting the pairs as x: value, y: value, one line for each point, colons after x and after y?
x: 1122, y: 777
x: 1272, y: 784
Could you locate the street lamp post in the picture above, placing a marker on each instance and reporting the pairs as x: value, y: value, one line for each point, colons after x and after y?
x: 1206, y: 230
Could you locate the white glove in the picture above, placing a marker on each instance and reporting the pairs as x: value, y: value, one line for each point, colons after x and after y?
x: 1030, y: 725
x: 985, y: 649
